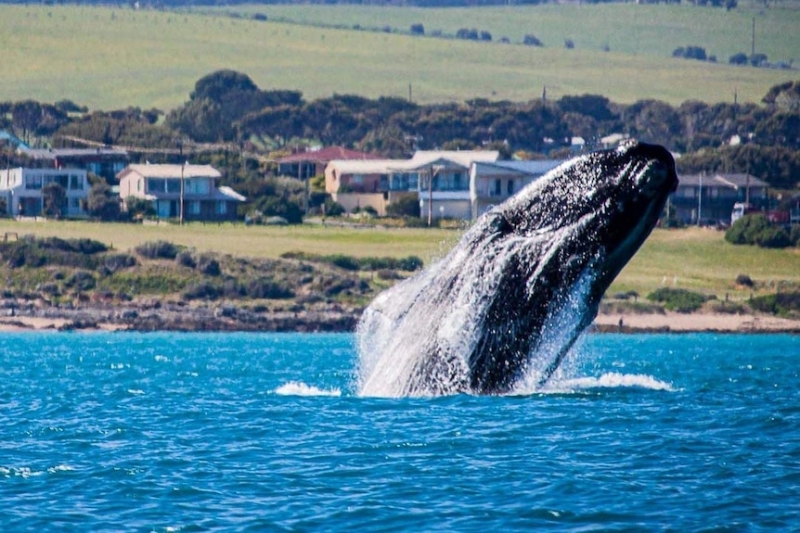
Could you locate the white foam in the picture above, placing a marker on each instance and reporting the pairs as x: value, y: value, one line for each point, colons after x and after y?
x: 298, y: 388
x: 610, y: 380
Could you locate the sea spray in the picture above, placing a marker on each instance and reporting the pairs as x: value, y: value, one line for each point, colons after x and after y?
x: 503, y: 308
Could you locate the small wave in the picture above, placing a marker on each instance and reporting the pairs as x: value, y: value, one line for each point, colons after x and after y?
x: 611, y: 380
x: 161, y: 359
x: 135, y: 392
x: 296, y: 388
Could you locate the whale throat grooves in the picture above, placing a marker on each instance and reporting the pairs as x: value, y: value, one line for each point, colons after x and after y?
x: 505, y: 305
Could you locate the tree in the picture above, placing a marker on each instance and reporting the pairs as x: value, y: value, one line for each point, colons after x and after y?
x: 738, y: 59
x: 54, y: 198
x: 218, y: 85
x: 532, y: 40
x: 138, y: 208
x: 102, y: 203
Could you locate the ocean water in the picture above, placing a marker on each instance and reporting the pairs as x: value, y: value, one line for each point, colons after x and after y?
x: 251, y: 432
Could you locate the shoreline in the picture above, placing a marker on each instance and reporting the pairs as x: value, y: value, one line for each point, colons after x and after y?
x: 667, y: 322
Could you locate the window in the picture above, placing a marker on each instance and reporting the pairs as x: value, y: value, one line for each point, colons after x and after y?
x: 222, y: 208
x: 194, y: 207
x: 33, y: 182
x: 498, y: 187
x: 197, y: 186
x: 510, y: 187
x: 357, y: 179
x: 156, y: 185
x: 75, y: 182
x: 174, y: 186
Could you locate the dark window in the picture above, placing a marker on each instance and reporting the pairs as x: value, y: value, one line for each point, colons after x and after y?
x: 498, y: 187
x: 510, y: 187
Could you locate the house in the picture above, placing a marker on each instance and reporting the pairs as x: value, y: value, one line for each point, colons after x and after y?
x: 104, y: 162
x: 9, y: 139
x: 21, y: 189
x: 304, y: 165
x: 444, y: 184
x: 439, y: 180
x: 368, y: 183
x: 709, y: 198
x: 492, y: 183
x: 203, y: 198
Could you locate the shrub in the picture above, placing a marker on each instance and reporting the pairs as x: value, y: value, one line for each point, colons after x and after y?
x: 569, y: 44
x: 467, y: 33
x: 157, y: 250
x: 387, y: 274
x: 729, y: 308
x: 410, y: 263
x: 794, y: 235
x: 81, y: 281
x: 773, y: 237
x: 407, y: 206
x: 116, y: 262
x: 418, y: 29
x: 208, y: 265
x: 679, y: 300
x: 267, y: 288
x: 783, y: 303
x: 744, y: 280
x: 738, y: 59
x: 344, y: 261
x: 185, y: 259
x: 81, y: 246
x: 756, y: 229
x: 532, y: 40
x: 333, y: 209
x: 201, y: 291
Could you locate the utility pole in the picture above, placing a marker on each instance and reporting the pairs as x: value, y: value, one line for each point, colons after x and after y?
x: 700, y: 200
x: 753, y: 40
x: 180, y: 151
x: 430, y: 196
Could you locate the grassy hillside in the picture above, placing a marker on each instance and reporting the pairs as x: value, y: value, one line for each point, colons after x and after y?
x: 696, y: 259
x: 110, y: 58
x: 627, y: 28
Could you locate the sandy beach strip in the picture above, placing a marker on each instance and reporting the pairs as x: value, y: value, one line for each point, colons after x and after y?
x: 631, y: 323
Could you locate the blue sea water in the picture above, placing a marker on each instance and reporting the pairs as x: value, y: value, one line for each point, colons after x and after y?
x: 265, y: 432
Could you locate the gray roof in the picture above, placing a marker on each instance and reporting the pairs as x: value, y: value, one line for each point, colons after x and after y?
x: 733, y: 181
x: 527, y: 167
x: 172, y: 171
x: 55, y: 153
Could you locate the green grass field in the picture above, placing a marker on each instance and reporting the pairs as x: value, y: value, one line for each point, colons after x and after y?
x: 696, y: 259
x: 110, y: 58
x: 627, y: 28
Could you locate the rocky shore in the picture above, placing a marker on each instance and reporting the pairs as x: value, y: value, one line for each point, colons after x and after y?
x: 155, y: 315
x: 158, y: 315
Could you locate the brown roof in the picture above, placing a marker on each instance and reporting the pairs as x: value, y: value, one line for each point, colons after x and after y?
x: 325, y: 155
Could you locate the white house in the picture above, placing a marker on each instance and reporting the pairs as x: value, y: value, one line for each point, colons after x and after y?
x: 166, y: 185
x: 21, y: 188
x: 492, y: 183
x: 438, y: 179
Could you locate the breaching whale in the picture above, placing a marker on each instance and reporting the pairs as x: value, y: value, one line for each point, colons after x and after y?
x: 526, y: 279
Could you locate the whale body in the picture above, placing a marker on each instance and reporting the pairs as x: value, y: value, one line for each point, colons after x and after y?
x: 509, y: 301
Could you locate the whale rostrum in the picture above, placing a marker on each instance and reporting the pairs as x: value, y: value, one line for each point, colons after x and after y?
x: 508, y: 302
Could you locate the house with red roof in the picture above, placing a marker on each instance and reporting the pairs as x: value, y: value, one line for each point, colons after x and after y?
x: 304, y: 165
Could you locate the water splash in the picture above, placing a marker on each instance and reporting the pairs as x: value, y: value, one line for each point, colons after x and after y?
x: 503, y: 309
x: 296, y: 388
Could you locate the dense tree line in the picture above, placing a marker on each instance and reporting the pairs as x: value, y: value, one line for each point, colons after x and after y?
x: 228, y: 107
